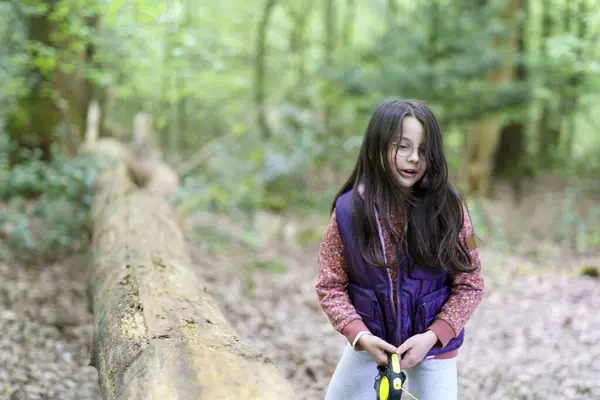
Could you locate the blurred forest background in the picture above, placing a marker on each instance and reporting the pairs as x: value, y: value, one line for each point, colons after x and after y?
x: 260, y: 106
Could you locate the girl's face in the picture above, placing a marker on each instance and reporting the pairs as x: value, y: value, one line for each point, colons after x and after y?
x: 407, y: 154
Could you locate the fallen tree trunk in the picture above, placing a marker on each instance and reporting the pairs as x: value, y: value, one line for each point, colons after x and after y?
x: 158, y: 334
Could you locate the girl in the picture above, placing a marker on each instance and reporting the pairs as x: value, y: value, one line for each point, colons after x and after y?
x: 398, y: 267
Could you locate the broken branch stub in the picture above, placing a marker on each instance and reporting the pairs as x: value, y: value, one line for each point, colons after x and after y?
x: 149, y: 170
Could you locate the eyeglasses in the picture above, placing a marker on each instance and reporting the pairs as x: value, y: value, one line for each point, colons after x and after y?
x: 404, y: 150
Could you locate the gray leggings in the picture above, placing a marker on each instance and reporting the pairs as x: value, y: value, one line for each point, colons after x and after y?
x: 355, y: 374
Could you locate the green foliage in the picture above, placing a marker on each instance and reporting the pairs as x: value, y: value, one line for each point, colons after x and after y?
x: 70, y: 35
x: 253, y: 174
x: 45, y: 206
x: 273, y: 266
x: 191, y: 64
x: 195, y: 73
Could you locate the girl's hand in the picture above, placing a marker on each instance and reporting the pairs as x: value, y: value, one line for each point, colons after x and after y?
x: 377, y: 347
x: 416, y: 348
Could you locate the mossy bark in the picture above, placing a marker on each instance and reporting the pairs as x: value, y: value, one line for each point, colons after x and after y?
x: 157, y: 332
x: 56, y: 95
x: 30, y: 124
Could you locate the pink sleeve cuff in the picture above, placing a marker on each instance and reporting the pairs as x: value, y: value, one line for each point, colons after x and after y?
x: 352, y: 329
x: 442, y: 330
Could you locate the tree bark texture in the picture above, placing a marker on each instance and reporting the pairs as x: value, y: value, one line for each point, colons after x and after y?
x: 158, y: 334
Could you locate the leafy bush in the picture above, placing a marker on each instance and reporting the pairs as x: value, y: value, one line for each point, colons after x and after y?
x: 246, y: 173
x: 45, y: 206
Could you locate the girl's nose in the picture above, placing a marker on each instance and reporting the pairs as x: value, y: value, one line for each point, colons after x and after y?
x: 414, y: 155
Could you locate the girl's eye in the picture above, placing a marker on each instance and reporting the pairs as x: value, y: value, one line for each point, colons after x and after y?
x: 403, y: 146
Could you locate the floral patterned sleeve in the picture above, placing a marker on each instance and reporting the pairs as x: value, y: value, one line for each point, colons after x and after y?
x: 467, y: 292
x: 332, y: 282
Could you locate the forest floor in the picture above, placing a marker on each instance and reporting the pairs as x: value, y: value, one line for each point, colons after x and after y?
x: 46, y: 332
x: 535, y: 336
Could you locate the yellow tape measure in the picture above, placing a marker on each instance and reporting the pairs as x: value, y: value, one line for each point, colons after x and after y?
x: 389, y: 385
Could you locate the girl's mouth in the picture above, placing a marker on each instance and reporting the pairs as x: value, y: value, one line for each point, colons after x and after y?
x: 408, y: 173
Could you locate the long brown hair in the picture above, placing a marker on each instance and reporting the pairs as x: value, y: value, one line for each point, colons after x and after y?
x: 433, y: 212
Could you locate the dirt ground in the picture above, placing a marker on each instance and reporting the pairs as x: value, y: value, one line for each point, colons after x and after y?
x: 46, y: 332
x: 535, y: 336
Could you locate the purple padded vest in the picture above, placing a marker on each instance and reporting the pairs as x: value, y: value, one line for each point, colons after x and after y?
x: 421, y: 292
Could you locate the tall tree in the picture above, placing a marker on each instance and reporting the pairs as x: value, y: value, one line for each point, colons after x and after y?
x: 348, y: 24
x: 575, y: 80
x: 299, y: 13
x: 329, y: 29
x: 511, y: 160
x: 549, y: 123
x: 485, y: 134
x: 58, y: 91
x: 34, y: 118
x: 260, y: 68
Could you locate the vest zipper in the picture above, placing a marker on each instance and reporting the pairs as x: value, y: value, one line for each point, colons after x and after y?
x: 423, y: 318
x: 392, y: 292
x: 399, y: 323
x: 389, y: 274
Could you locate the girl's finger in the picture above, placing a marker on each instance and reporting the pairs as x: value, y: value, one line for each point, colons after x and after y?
x: 381, y: 358
x: 405, y: 364
x: 385, y: 346
x: 403, y: 348
x: 409, y: 360
x: 388, y: 347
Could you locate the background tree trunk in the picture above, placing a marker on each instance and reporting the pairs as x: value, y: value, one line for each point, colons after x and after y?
x: 260, y: 68
x: 549, y: 122
x: 485, y: 133
x: 329, y: 29
x: 511, y: 160
x: 57, y: 95
x: 32, y: 124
